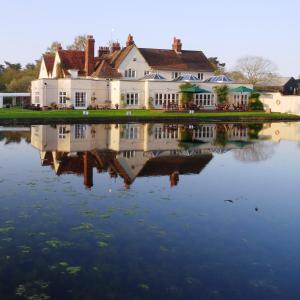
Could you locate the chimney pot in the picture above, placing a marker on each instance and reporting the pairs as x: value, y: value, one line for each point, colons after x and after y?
x: 130, y: 40
x: 177, y: 45
x: 115, y: 47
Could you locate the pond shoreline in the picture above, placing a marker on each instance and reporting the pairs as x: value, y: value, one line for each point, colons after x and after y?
x: 150, y: 119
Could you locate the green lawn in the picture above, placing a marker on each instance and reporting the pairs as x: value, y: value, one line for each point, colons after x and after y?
x: 15, y: 113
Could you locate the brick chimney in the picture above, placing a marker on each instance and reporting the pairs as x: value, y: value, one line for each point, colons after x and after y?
x: 177, y: 45
x: 89, y: 55
x: 103, y: 50
x: 115, y: 47
x: 130, y: 40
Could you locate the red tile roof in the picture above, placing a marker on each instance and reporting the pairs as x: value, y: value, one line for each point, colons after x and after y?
x: 105, y: 70
x: 72, y: 59
x: 170, y: 60
x: 49, y: 62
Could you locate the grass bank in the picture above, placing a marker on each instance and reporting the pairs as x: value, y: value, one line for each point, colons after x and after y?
x: 23, y: 116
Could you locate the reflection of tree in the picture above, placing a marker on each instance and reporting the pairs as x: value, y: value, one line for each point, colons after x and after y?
x: 254, y: 130
x: 14, y: 137
x: 221, y: 138
x: 255, y: 152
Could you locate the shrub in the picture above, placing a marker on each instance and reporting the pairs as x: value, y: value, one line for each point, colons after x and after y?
x: 150, y: 103
x: 53, y: 105
x: 254, y: 102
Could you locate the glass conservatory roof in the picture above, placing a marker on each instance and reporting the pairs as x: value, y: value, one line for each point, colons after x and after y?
x: 153, y: 76
x: 220, y: 79
x: 187, y: 77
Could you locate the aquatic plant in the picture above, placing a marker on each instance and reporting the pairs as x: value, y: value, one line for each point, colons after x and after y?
x: 102, y: 244
x: 84, y: 226
x: 73, y: 270
x: 4, y: 230
x: 144, y: 286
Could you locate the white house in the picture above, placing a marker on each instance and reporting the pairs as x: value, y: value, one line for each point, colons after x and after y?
x: 126, y: 77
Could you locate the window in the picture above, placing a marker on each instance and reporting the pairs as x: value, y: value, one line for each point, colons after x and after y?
x: 128, y: 154
x: 204, y: 132
x: 80, y: 99
x: 130, y: 73
x: 146, y: 73
x: 175, y: 75
x: 204, y: 99
x: 132, y: 99
x: 165, y: 133
x: 165, y: 99
x: 80, y: 131
x: 37, y: 97
x: 62, y: 98
x: 62, y: 131
x: 200, y: 76
x: 130, y: 133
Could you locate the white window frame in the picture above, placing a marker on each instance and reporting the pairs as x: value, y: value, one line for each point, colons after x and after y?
x: 80, y: 100
x: 62, y: 131
x: 80, y: 131
x: 37, y: 97
x: 200, y: 76
x: 130, y: 73
x: 62, y: 97
x: 176, y: 74
x: 132, y: 99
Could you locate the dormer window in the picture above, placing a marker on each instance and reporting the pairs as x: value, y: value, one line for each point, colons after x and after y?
x: 130, y: 73
x: 175, y: 75
x: 200, y: 76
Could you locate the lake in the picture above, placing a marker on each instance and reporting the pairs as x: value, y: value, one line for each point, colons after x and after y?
x: 150, y: 211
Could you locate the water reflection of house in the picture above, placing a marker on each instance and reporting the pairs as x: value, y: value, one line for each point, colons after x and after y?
x: 281, y: 131
x: 129, y: 151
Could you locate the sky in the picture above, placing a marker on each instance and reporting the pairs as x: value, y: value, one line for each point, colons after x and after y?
x: 227, y: 29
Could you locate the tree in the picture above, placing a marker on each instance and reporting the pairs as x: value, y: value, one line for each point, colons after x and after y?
x: 54, y: 47
x: 16, y: 67
x: 222, y: 93
x: 218, y: 67
x: 255, y: 69
x: 79, y: 43
x: 236, y: 76
x: 19, y: 85
x: 186, y: 98
x: 15, y: 79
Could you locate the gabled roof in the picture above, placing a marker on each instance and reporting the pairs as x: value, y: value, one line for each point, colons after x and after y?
x: 121, y: 55
x: 275, y: 81
x: 166, y: 165
x: 72, y: 59
x: 104, y: 69
x: 171, y: 60
x: 49, y: 62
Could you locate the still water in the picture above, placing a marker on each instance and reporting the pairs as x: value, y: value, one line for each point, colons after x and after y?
x: 150, y: 211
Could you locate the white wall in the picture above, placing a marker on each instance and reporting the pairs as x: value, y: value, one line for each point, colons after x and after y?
x: 43, y: 71
x: 48, y: 90
x: 276, y: 102
x: 135, y: 61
